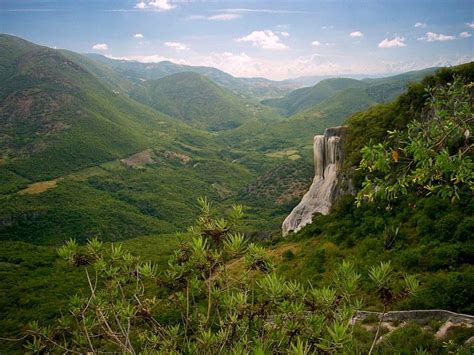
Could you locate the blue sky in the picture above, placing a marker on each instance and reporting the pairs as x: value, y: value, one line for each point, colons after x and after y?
x: 273, y: 39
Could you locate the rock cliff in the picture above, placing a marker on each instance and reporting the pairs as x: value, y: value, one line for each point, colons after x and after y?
x: 328, y: 157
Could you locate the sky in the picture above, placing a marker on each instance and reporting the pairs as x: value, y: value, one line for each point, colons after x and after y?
x: 249, y: 38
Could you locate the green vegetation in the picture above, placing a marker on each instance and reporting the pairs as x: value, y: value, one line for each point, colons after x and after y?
x: 63, y: 121
x: 329, y: 103
x: 58, y: 118
x: 305, y: 98
x: 421, y: 231
x: 433, y: 242
x: 199, y: 304
x: 197, y: 101
x: 431, y: 155
x: 375, y: 90
x: 111, y: 168
x: 37, y: 284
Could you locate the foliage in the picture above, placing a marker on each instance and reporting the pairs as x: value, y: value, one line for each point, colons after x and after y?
x: 442, y: 261
x: 415, y: 339
x: 93, y: 127
x: 211, y: 307
x: 37, y: 283
x: 432, y: 156
x: 304, y: 98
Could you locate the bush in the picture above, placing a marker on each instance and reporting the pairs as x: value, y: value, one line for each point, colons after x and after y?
x: 408, y: 340
x: 288, y: 255
x: 202, y: 304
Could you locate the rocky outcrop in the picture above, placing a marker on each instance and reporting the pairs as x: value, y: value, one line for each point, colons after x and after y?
x: 328, y: 157
x: 419, y: 316
x: 394, y: 320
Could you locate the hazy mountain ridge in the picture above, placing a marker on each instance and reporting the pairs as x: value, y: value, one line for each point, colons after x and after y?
x: 249, y: 88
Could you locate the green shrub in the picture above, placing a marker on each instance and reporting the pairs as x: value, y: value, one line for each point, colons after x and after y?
x: 288, y: 255
x: 408, y: 339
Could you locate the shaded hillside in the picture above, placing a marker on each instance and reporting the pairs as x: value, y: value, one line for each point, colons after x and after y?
x: 103, y: 72
x: 196, y: 100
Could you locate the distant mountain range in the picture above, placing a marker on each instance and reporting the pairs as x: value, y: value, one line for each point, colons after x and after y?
x: 250, y: 88
x: 137, y: 72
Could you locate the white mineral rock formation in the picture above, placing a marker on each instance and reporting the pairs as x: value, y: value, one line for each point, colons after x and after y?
x: 324, y: 189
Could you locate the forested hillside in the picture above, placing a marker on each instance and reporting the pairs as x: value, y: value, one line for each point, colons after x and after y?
x: 420, y: 232
x: 378, y: 90
x: 198, y: 101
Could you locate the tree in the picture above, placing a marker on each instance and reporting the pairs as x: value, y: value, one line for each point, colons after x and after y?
x: 431, y: 156
x: 200, y: 304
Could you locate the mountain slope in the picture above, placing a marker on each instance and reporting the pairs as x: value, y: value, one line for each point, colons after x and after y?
x: 304, y: 98
x: 104, y: 73
x: 55, y: 116
x: 330, y: 103
x: 379, y: 90
x: 80, y: 159
x: 195, y: 100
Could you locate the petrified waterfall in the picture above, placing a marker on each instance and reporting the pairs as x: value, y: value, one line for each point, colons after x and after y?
x: 324, y: 189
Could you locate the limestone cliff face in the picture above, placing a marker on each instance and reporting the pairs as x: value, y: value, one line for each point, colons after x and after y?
x: 328, y: 157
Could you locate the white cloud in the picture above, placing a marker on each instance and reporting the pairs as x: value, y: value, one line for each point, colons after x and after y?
x: 263, y: 39
x: 218, y: 17
x: 420, y: 25
x: 356, y: 34
x: 330, y: 27
x: 154, y: 58
x: 470, y: 24
x: 268, y: 11
x: 100, y: 47
x: 435, y: 37
x: 285, y: 34
x: 159, y: 5
x: 224, y: 17
x: 177, y: 45
x: 230, y: 62
x: 465, y: 35
x: 390, y: 43
x: 244, y: 65
x: 315, y: 43
x: 138, y: 35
